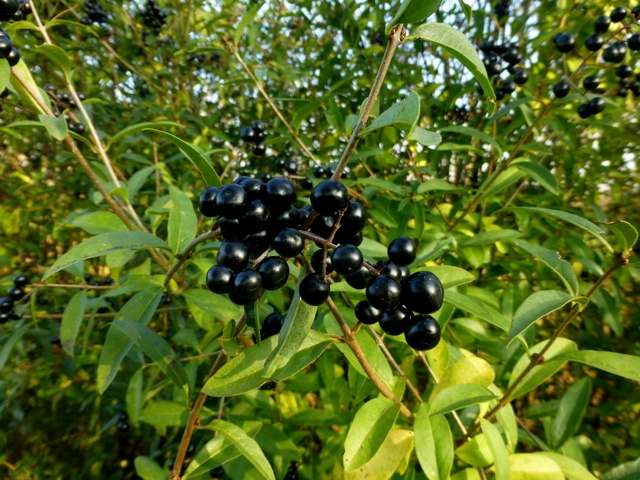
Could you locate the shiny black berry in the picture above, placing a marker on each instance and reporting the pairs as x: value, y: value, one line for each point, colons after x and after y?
x: 231, y: 200
x: 329, y: 196
x: 396, y: 321
x: 5, y: 47
x: 565, y: 42
x: 14, y: 57
x: 6, y: 304
x: 207, y: 202
x: 316, y: 262
x: 247, y: 285
x: 286, y: 218
x: 602, y: 24
x: 231, y: 228
x: 594, y: 42
x: 347, y: 260
x: 624, y: 71
x: 220, y: 279
x: 512, y: 56
x: 367, y: 314
x: 274, y: 272
x: 521, y: 77
x: 591, y: 82
x: 354, y: 218
x: 234, y: 255
x: 634, y: 42
x: 259, y: 149
x: 614, y: 53
x: 252, y: 186
x: 271, y: 325
x: 422, y: 292
x: 402, y: 251
x: 391, y: 269
x: 306, y: 184
x: 15, y: 293
x: 279, y: 193
x: 20, y: 280
x: 584, y: 111
x: 383, y: 292
x: 360, y: 279
x: 596, y: 105
x: 258, y: 126
x: 618, y: 14
x: 291, y: 166
x: 313, y: 289
x: 256, y: 216
x: 288, y: 243
x: 424, y: 333
x: 561, y: 89
x: 318, y: 172
x: 247, y: 134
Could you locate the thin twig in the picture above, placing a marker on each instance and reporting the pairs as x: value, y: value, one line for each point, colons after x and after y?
x: 186, y: 253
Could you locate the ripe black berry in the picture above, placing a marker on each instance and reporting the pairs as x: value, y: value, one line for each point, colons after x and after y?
x: 288, y: 243
x: 15, y: 293
x: 291, y: 166
x: 14, y: 57
x: 561, y: 89
x: 279, y: 193
x: 402, y: 251
x: 509, y: 87
x: 322, y: 225
x: 271, y: 326
x: 494, y: 69
x: 207, y: 202
x: 286, y: 218
x: 383, y: 292
x: 220, y: 279
x: 274, y: 272
x: 6, y: 304
x: 584, y: 111
x: 5, y: 47
x: 635, y: 87
x: 256, y: 216
x: 252, y: 186
x: 318, y: 172
x: 624, y: 71
x: 259, y: 241
x: 231, y: 200
x: 602, y: 24
x: 279, y: 163
x: 565, y: 42
x: 316, y: 262
x: 306, y: 184
x: 391, y: 269
x: 622, y: 91
x: 500, y: 93
x: 594, y: 42
x: 231, y: 228
x: 424, y: 333
x: 20, y: 280
x: 596, y: 105
x: 234, y: 255
x: 618, y: 14
x: 422, y: 292
x: 360, y: 279
x: 347, y: 260
x: 614, y: 53
x: 521, y: 77
x: 354, y: 218
x: 346, y: 238
x: 512, y: 56
x: 247, y: 285
x: 258, y: 125
x: 329, y: 196
x: 259, y: 149
x: 396, y: 321
x: 591, y: 82
x: 367, y: 314
x: 634, y: 42
x: 313, y: 289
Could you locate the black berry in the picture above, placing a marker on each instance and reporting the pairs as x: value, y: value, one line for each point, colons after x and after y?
x: 424, y: 333
x: 329, y: 196
x: 396, y: 321
x: 584, y: 111
x: 220, y: 279
x: 274, y: 272
x: 316, y: 262
x: 591, y: 82
x: 367, y: 314
x: 247, y: 286
x: 6, y: 304
x: 521, y: 77
x: 16, y: 293
x: 354, y: 218
x: 565, y: 42
x: 422, y: 292
x: 288, y: 243
x: 618, y: 14
x: 624, y: 71
x: 360, y: 279
x: 234, y: 255
x: 231, y: 200
x: 207, y: 202
x: 594, y: 42
x: 20, y: 280
x: 602, y: 24
x: 279, y: 193
x: 313, y: 289
x: 596, y: 105
x: 347, y: 260
x: 561, y: 89
x: 634, y: 42
x: 383, y: 292
x: 614, y: 53
x: 402, y: 251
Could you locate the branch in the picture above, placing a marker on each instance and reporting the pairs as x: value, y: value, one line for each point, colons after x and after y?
x: 186, y: 253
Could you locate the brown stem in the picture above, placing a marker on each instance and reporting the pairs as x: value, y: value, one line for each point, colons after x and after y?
x: 184, y: 255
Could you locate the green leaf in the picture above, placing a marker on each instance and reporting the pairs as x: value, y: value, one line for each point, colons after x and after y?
x: 436, y: 184
x: 11, y: 342
x: 102, y: 245
x: 626, y: 471
x: 540, y: 174
x: 489, y: 238
x: 383, y: 185
x: 138, y: 127
x: 295, y: 329
x: 413, y: 11
x: 395, y: 450
x: 22, y: 70
x: 531, y: 466
x: 204, y: 305
x: 473, y: 132
x: 469, y: 370
x: 141, y: 307
x: 134, y: 397
x: 492, y: 185
x: 626, y: 234
x: 434, y: 444
x: 183, y: 223
x: 449, y: 276
x: 59, y: 57
x: 477, y: 308
x: 370, y: 427
x: 580, y: 222
x: 467, y: 473
x: 570, y: 468
x: 458, y: 45
x: 552, y: 260
x: 71, y: 320
x: 158, y: 350
x: 498, y: 450
x: 403, y: 115
x: 540, y: 373
x: 148, y: 469
x: 244, y: 372
x: 96, y: 223
x: 56, y: 126
x: 244, y: 22
x: 194, y: 155
x: 536, y: 306
x: 572, y: 408
x: 5, y: 74
x: 455, y: 397
x: 627, y: 366
x: 476, y: 452
x: 164, y: 413
x: 247, y: 446
x: 424, y: 137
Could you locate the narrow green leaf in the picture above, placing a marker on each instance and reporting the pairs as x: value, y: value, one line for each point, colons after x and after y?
x: 473, y: 132
x: 458, y: 45
x: 164, y: 413
x: 370, y: 427
x: 467, y: 473
x: 247, y: 446
x: 203, y: 303
x: 448, y: 275
x: 141, y: 307
x: 570, y: 468
x: 158, y: 350
x: 436, y: 184
x: 552, y: 260
x: 476, y: 452
x: 468, y: 370
x: 536, y: 306
x: 194, y: 155
x: 466, y: 9
x: 531, y: 466
x: 392, y: 456
x: 71, y: 320
x: 58, y: 56
x: 5, y: 74
x: 183, y: 223
x: 489, y: 238
x: 580, y: 222
x: 426, y: 444
x: 403, y: 115
x: 148, y: 469
x: 383, y: 185
x: 504, y: 180
x: 56, y: 126
x: 540, y: 373
x: 413, y: 11
x: 138, y: 127
x: 478, y: 308
x: 572, y: 408
x: 134, y: 397
x: 455, y: 397
x: 626, y: 471
x: 96, y: 223
x: 297, y: 325
x: 137, y: 180
x: 627, y: 366
x: 626, y: 234
x: 507, y: 419
x: 11, y: 342
x: 22, y: 70
x: 104, y: 244
x: 498, y: 449
x: 539, y: 173
x: 244, y: 22
x: 424, y: 137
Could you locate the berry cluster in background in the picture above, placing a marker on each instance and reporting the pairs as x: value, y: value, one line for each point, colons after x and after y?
x: 501, y: 56
x: 254, y: 137
x: 154, y: 17
x: 62, y: 101
x: 7, y: 50
x: 14, y: 294
x: 95, y: 13
x: 14, y: 10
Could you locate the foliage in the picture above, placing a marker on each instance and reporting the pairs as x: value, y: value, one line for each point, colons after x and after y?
x: 524, y: 210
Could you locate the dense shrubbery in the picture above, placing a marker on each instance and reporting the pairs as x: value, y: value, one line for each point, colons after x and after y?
x: 498, y: 143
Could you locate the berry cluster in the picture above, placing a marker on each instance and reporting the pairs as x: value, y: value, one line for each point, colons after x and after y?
x: 7, y: 50
x: 63, y: 100
x: 96, y: 13
x: 496, y: 57
x: 154, y: 17
x: 123, y: 422
x: 501, y: 9
x: 14, y: 294
x: 14, y: 10
x: 327, y: 172
x: 254, y: 136
x: 292, y: 472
